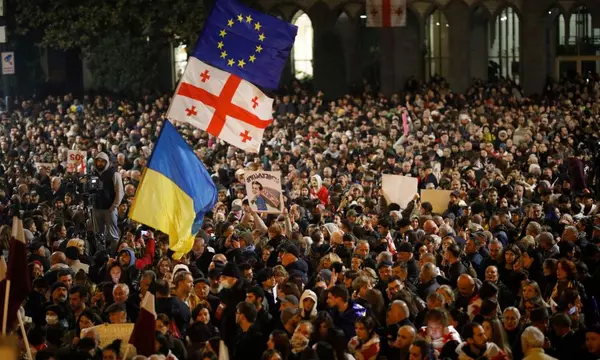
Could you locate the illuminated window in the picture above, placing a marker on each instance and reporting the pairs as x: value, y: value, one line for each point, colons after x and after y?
x: 504, y: 52
x: 302, y: 53
x: 437, y: 60
x: 180, y: 58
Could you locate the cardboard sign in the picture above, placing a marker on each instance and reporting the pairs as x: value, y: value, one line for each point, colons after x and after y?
x: 399, y: 189
x: 439, y: 199
x: 111, y: 332
x: 76, y: 161
x: 46, y: 166
x: 8, y: 63
x: 264, y: 191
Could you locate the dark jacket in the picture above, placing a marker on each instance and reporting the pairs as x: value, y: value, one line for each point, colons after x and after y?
x: 298, y: 268
x: 427, y: 288
x: 345, y: 320
x: 177, y: 310
x: 248, y: 345
x: 229, y: 300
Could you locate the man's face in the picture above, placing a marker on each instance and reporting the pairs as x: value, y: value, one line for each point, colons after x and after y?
x: 201, y: 290
x: 76, y: 301
x: 404, y: 339
x: 119, y: 295
x: 393, y: 287
x: 331, y: 301
x: 255, y: 189
x: 60, y: 295
x: 362, y: 250
x: 100, y: 164
x: 592, y: 342
x: 119, y: 317
x: 491, y: 274
x: 385, y: 272
x: 415, y: 353
x: 186, y: 284
x: 495, y: 250
x: 124, y: 258
x: 479, y: 339
x: 67, y: 280
x: 145, y: 284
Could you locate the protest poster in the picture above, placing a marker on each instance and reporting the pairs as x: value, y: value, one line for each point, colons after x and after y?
x: 438, y: 199
x: 399, y: 189
x: 264, y: 191
x: 45, y: 166
x: 76, y: 161
x: 107, y: 333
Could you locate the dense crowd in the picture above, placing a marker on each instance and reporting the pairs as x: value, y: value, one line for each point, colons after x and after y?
x: 508, y: 271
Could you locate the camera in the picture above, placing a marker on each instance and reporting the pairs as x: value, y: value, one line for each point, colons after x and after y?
x: 92, y: 184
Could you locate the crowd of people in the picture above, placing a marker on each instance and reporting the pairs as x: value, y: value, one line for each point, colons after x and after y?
x: 509, y: 270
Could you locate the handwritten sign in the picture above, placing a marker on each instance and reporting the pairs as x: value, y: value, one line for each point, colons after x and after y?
x: 76, y: 161
x: 111, y: 332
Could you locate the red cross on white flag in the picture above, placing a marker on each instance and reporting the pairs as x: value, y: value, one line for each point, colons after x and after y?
x: 223, y: 105
x: 386, y: 13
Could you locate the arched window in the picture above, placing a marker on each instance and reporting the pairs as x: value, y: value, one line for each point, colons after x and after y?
x: 180, y: 60
x: 562, y: 34
x: 302, y: 53
x: 504, y: 51
x: 437, y: 60
x: 580, y: 25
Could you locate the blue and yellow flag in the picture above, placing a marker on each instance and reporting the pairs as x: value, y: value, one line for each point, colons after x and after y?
x: 246, y: 42
x: 175, y: 192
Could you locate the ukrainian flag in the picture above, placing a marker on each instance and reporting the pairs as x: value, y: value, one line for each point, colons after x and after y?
x: 175, y: 192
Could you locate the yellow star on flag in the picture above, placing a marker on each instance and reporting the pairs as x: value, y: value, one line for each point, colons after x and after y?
x: 258, y: 48
x: 252, y: 58
x: 222, y: 33
x: 240, y: 17
x: 241, y: 63
x: 230, y: 22
x: 249, y: 19
x: 257, y: 26
x: 261, y: 37
x: 223, y: 54
x: 230, y: 62
x: 220, y: 45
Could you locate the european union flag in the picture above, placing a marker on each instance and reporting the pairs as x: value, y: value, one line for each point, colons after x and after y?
x: 245, y: 42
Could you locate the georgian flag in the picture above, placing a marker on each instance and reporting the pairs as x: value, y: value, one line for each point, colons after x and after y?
x: 386, y: 13
x: 222, y: 104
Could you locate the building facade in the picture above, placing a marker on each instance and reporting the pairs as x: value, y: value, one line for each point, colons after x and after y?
x: 526, y: 40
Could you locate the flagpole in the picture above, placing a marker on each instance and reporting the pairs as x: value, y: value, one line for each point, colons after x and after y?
x: 25, y: 340
x: 5, y: 312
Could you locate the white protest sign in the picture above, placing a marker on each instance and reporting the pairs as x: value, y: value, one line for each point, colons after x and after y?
x: 264, y: 191
x: 399, y: 189
x: 111, y: 332
x: 76, y: 161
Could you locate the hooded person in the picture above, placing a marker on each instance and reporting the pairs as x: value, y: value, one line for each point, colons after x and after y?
x: 308, y: 305
x: 109, y: 193
x: 127, y: 261
x: 234, y: 292
x: 318, y: 190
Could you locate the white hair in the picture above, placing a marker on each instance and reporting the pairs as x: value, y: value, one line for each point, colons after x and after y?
x: 122, y: 286
x: 532, y: 338
x: 514, y: 310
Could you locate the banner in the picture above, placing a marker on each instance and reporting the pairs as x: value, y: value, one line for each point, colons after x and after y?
x: 111, y: 332
x: 8, y: 63
x: 76, y: 161
x: 264, y: 191
x: 399, y: 189
x: 46, y: 166
x: 439, y: 199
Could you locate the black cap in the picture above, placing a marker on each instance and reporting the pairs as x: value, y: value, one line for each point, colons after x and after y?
x: 231, y: 270
x: 290, y: 249
x: 263, y: 275
x: 72, y: 253
x: 57, y: 285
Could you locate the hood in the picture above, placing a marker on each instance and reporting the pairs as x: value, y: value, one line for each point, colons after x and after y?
x: 102, y: 155
x: 131, y: 255
x: 178, y: 267
x: 319, y: 181
x: 309, y: 294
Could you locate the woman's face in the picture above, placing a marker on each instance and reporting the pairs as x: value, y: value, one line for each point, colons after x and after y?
x: 203, y: 316
x: 509, y: 257
x: 271, y: 343
x: 115, y: 273
x: 323, y: 329
x: 561, y: 274
x: 511, y: 320
x: 109, y: 355
x: 361, y: 332
x: 85, y: 323
x: 164, y: 267
x: 487, y: 327
x: 529, y: 292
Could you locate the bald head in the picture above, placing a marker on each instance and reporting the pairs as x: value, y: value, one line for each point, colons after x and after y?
x: 397, y: 312
x: 430, y: 227
x: 466, y: 285
x: 58, y: 258
x: 406, y: 335
x: 337, y: 238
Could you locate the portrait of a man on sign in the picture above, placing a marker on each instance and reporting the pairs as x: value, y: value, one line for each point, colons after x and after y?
x: 264, y: 191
